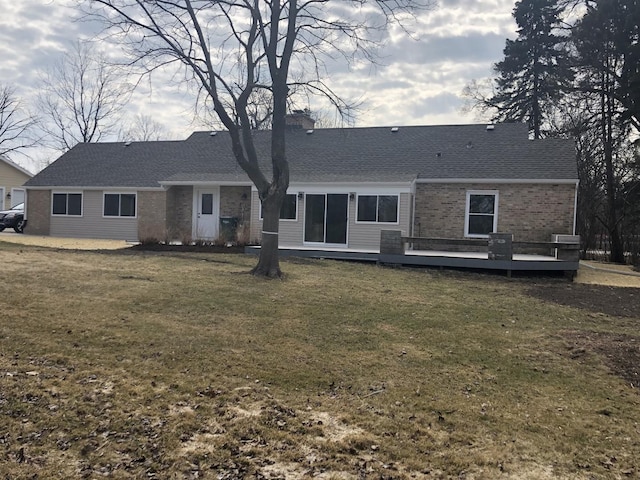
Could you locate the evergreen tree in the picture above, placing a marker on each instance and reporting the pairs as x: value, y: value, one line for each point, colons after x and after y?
x: 535, y: 70
x: 605, y: 41
x: 627, y: 42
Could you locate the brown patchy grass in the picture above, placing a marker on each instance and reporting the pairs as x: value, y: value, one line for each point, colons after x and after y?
x: 144, y: 365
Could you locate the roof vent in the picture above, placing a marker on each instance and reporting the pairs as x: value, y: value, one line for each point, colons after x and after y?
x: 439, y: 154
x: 395, y: 129
x: 213, y: 133
x: 490, y: 127
x: 309, y: 132
x: 469, y: 145
x: 127, y: 144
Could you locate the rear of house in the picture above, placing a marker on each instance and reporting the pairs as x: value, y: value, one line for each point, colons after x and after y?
x: 347, y: 185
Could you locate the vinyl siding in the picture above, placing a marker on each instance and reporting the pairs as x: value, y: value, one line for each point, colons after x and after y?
x: 363, y: 236
x: 366, y: 236
x: 10, y: 178
x: 92, y: 224
x: 290, y: 230
x: 256, y: 223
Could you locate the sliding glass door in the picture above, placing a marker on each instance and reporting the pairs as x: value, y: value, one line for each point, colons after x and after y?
x: 326, y: 218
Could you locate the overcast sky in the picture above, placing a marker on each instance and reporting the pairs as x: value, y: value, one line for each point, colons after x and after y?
x: 419, y: 82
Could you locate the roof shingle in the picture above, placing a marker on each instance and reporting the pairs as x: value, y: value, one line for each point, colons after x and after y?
x: 375, y: 154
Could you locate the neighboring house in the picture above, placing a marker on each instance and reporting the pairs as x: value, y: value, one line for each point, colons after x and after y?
x: 12, y: 178
x: 346, y: 186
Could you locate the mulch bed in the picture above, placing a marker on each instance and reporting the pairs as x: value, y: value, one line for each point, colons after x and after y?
x: 198, y: 248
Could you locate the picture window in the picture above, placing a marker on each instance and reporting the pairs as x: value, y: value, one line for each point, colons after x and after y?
x: 378, y: 208
x: 69, y: 204
x: 119, y: 204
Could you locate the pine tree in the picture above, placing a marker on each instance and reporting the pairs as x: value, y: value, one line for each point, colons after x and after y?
x: 535, y: 70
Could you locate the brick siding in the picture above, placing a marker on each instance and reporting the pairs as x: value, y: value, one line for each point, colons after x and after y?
x: 152, y: 216
x: 532, y: 212
x: 180, y: 212
x: 236, y: 202
x: 38, y: 212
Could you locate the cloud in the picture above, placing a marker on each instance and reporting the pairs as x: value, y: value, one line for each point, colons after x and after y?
x: 419, y: 79
x: 463, y: 48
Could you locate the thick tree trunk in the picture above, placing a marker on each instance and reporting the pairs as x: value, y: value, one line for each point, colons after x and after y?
x: 269, y: 260
x: 613, y: 223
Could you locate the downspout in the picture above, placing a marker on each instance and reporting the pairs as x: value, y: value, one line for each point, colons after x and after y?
x: 413, y: 207
x: 575, y: 207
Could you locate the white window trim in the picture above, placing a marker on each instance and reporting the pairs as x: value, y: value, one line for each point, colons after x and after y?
x: 377, y: 195
x: 282, y: 219
x: 496, y: 195
x: 61, y: 192
x: 135, y: 194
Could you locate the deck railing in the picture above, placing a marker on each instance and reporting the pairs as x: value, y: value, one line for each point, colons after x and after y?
x: 499, y: 246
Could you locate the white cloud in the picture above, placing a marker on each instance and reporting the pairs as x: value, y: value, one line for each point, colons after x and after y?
x: 419, y: 80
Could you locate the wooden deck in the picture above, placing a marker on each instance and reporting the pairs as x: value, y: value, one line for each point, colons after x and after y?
x: 435, y: 258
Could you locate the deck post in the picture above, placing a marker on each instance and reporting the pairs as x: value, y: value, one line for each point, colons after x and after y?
x: 571, y: 252
x: 500, y: 246
x: 391, y: 242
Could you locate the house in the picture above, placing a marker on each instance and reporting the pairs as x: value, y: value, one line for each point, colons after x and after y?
x: 12, y: 178
x: 347, y: 185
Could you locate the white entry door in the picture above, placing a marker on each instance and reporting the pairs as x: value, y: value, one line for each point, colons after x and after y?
x: 207, y: 213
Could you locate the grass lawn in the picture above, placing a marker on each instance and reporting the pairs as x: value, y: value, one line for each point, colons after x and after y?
x: 128, y: 364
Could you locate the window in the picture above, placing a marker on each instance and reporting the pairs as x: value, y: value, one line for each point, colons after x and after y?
x: 119, y: 204
x: 67, y: 204
x: 378, y: 208
x: 289, y: 209
x: 206, y: 201
x: 481, y: 216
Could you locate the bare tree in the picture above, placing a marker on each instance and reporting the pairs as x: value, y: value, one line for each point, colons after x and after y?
x: 143, y: 128
x: 16, y: 125
x: 82, y: 97
x: 259, y: 111
x: 235, y: 48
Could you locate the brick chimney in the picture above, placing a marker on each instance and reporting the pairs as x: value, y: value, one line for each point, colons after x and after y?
x: 300, y: 119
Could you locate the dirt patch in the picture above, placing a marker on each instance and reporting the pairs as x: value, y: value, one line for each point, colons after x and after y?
x: 615, y: 301
x: 621, y: 353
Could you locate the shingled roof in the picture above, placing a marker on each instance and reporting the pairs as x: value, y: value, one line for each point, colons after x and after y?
x: 376, y: 154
